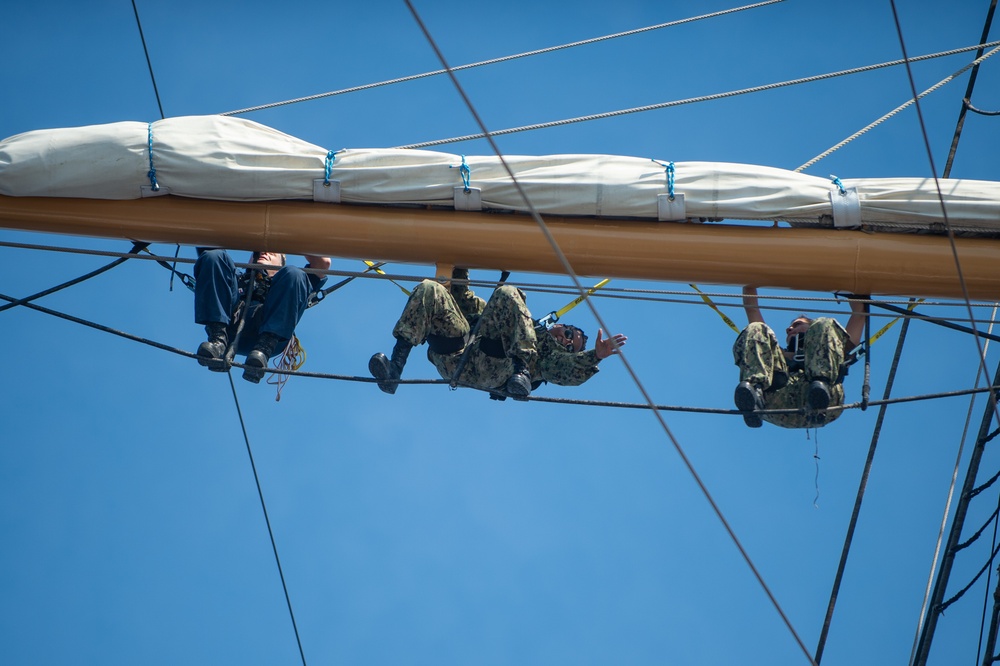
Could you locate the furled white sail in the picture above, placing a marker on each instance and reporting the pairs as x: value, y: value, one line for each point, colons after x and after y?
x: 233, y: 159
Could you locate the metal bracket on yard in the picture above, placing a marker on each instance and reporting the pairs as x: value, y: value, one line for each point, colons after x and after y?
x: 326, y: 191
x: 468, y: 199
x: 670, y: 209
x: 846, y: 208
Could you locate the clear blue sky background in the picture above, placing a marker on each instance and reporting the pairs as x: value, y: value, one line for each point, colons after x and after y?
x: 436, y: 526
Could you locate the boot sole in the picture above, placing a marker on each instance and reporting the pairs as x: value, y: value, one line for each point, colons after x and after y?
x: 252, y: 377
x: 744, y: 399
x: 378, y: 366
x: 253, y: 374
x: 207, y: 359
x: 819, y: 397
x: 746, y: 403
x: 518, y: 390
x: 253, y: 370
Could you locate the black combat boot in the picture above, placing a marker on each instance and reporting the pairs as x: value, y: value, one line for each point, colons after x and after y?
x: 263, y: 350
x: 819, y: 394
x: 749, y: 398
x: 212, y: 351
x: 388, y: 370
x: 519, y: 384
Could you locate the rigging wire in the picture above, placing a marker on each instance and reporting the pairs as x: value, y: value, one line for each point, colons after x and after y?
x: 24, y: 301
x: 707, y: 410
x: 862, y: 486
x: 979, y: 344
x: 967, y: 101
x: 993, y: 478
x: 958, y: 595
x: 986, y: 588
x: 975, y: 537
x: 136, y: 247
x: 961, y: 511
x: 981, y: 112
x: 622, y: 293
x: 156, y: 92
x: 117, y: 262
x: 539, y: 399
x: 543, y: 227
x: 922, y: 616
x: 692, y: 100
x: 493, y: 61
x: 263, y: 506
x: 948, y: 79
x: 944, y: 518
x: 563, y: 401
x: 149, y: 63
x: 907, y: 313
x: 944, y: 209
x: 913, y: 314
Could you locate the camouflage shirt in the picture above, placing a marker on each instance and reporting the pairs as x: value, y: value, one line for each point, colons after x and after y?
x: 559, y: 366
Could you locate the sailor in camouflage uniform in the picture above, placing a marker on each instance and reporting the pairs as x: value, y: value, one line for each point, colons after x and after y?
x: 507, y: 353
x: 807, y: 375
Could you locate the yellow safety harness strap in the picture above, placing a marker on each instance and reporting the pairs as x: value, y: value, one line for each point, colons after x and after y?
x: 371, y: 265
x: 709, y: 303
x: 881, y: 331
x: 554, y: 316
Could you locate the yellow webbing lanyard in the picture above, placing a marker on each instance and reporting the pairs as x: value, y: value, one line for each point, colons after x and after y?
x: 554, y: 316
x: 885, y: 328
x: 709, y: 303
x: 851, y: 359
x: 729, y: 322
x: 371, y: 265
x: 579, y: 299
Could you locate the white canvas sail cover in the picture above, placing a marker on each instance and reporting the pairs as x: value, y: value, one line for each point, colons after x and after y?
x: 233, y: 159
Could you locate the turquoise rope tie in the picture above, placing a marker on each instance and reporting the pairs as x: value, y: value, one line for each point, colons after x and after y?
x: 669, y: 166
x: 465, y: 172
x: 328, y: 167
x: 152, y: 169
x: 840, y: 185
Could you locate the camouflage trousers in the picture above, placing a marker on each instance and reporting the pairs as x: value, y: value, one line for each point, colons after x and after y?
x: 761, y: 361
x: 433, y: 310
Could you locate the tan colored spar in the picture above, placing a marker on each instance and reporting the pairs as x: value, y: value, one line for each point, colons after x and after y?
x: 801, y: 259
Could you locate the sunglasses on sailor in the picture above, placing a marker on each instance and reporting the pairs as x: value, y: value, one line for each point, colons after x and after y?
x: 570, y: 338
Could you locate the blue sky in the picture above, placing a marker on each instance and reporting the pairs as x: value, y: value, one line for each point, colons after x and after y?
x: 437, y: 526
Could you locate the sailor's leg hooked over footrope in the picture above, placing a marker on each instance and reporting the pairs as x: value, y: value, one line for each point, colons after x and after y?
x: 825, y: 350
x: 214, y: 300
x: 506, y: 318
x: 758, y: 355
x: 283, y: 307
x: 430, y: 310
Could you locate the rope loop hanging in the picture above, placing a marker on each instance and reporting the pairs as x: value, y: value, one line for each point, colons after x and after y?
x: 292, y: 358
